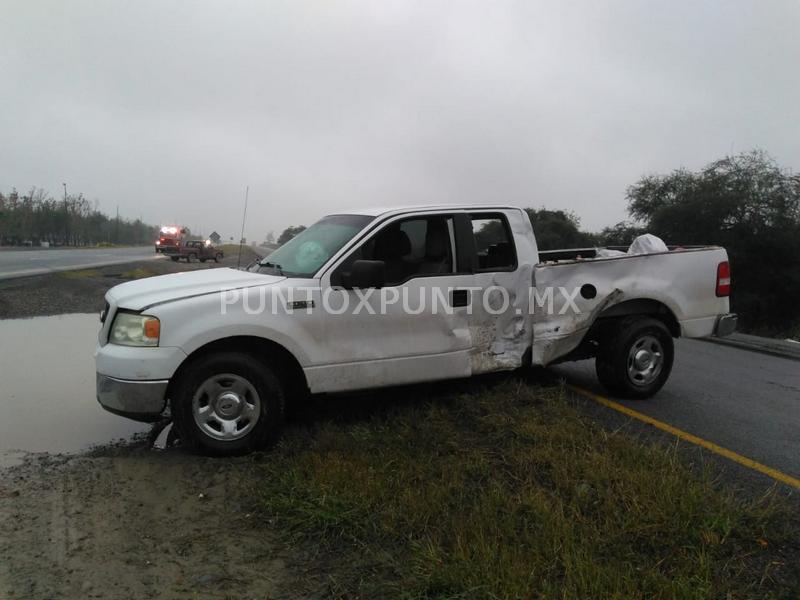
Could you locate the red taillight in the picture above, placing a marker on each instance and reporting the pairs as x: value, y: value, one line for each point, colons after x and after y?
x: 723, y: 279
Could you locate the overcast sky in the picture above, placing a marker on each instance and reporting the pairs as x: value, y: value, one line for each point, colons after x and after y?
x: 169, y: 109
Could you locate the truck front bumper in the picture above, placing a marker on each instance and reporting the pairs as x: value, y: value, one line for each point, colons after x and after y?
x: 726, y: 325
x: 137, y: 400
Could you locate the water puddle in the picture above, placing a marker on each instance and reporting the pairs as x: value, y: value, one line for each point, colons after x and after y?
x: 47, y: 388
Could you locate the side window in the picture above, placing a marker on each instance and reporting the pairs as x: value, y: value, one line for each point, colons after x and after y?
x: 493, y: 243
x: 410, y: 248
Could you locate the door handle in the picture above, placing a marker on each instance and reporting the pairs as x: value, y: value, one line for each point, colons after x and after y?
x: 459, y: 298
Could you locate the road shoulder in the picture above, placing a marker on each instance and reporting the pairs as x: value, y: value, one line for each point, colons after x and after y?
x: 754, y: 343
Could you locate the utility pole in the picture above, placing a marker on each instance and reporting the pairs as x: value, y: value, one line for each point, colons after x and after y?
x: 241, y: 238
x: 66, y: 217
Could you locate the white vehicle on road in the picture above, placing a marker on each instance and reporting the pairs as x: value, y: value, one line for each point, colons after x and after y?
x: 390, y: 297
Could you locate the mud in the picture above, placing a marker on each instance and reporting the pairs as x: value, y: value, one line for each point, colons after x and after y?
x: 134, y: 523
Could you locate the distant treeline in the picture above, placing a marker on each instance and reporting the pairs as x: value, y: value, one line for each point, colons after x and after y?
x: 36, y: 217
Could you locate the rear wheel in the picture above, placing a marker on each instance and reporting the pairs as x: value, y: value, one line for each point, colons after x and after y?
x: 174, y: 258
x: 228, y: 403
x: 635, y: 358
x: 218, y: 257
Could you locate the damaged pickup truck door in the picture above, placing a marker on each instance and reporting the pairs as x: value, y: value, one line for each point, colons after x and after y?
x: 499, y: 243
x: 413, y: 325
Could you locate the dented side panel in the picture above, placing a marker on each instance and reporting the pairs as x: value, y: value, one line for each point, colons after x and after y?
x: 682, y: 281
x: 500, y: 336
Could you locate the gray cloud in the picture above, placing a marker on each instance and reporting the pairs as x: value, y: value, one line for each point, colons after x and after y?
x: 170, y: 108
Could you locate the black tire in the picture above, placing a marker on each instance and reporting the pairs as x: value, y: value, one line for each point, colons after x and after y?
x: 218, y: 257
x: 189, y: 395
x: 174, y: 258
x: 620, y: 370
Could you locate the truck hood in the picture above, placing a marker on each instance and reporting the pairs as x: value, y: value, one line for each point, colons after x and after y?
x: 141, y: 294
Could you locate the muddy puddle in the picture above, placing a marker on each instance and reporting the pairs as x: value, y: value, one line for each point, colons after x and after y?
x: 47, y: 388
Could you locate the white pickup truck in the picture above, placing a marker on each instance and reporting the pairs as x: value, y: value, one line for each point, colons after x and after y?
x: 375, y: 298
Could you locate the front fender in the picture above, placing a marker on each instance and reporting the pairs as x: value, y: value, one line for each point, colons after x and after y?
x: 193, y: 323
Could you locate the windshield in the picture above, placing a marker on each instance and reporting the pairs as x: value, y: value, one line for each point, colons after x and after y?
x: 305, y: 253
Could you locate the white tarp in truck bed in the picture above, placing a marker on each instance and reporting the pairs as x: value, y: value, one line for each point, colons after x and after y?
x: 644, y: 244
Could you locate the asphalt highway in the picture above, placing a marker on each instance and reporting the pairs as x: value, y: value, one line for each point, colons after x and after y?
x: 745, y: 401
x: 22, y: 263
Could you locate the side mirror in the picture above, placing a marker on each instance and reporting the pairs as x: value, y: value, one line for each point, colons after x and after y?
x: 366, y: 274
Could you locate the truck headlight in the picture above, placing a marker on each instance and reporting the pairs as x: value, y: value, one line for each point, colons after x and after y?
x: 130, y: 329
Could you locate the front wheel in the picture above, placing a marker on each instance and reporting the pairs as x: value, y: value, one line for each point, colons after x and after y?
x: 217, y: 257
x: 635, y: 359
x: 228, y: 403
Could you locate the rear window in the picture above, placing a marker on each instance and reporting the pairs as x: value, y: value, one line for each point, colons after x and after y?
x: 494, y: 243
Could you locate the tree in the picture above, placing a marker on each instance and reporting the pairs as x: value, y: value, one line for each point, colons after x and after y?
x: 621, y: 234
x: 558, y: 229
x: 748, y: 204
x: 289, y: 233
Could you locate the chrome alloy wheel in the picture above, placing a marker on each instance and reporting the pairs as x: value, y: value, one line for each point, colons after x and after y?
x: 645, y: 360
x: 226, y: 407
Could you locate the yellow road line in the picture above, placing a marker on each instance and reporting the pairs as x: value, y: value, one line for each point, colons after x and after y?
x: 729, y: 454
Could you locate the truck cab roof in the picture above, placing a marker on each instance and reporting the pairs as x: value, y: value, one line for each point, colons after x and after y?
x: 383, y: 211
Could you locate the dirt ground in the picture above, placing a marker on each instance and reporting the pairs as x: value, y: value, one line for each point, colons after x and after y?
x: 136, y: 523
x: 127, y: 521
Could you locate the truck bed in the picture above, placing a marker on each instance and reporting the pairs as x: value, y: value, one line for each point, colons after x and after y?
x: 682, y: 282
x: 573, y: 254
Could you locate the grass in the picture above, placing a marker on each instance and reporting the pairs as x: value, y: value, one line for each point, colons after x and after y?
x: 233, y: 249
x: 793, y: 332
x: 509, y: 492
x: 82, y: 274
x: 137, y: 273
x: 248, y: 254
